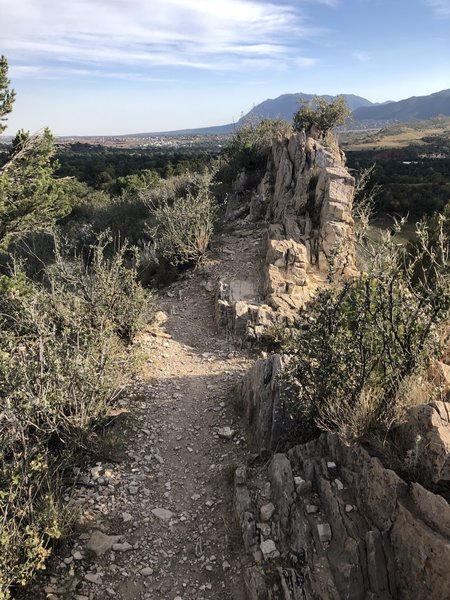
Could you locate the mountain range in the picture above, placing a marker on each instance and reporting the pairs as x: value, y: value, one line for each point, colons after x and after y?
x: 364, y: 112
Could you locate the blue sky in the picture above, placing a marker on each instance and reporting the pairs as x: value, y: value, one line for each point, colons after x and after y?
x: 87, y: 67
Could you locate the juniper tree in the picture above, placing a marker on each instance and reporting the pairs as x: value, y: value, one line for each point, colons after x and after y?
x: 31, y: 199
x: 321, y: 114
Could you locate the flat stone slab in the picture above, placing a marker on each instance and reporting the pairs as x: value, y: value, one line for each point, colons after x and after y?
x: 242, y: 289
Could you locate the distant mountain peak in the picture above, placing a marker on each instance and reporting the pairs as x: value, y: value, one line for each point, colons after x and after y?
x: 284, y: 106
x: 416, y: 108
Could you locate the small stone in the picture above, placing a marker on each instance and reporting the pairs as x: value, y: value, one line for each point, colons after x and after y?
x: 348, y: 508
x: 93, y: 578
x: 269, y: 549
x: 302, y: 487
x: 331, y: 465
x: 339, y: 484
x: 226, y: 433
x: 226, y: 565
x: 146, y: 571
x: 267, y: 511
x: 124, y: 547
x: 126, y: 517
x: 99, y: 542
x: 195, y: 497
x: 311, y: 509
x: 77, y: 555
x: 162, y: 513
x: 324, y: 531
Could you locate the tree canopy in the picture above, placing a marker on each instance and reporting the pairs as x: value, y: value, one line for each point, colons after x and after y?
x: 322, y: 114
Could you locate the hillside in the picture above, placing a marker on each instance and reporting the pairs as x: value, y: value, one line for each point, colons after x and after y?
x: 282, y: 107
x: 365, y: 113
x: 411, y: 109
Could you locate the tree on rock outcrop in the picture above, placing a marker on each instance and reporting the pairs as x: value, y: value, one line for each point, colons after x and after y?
x: 320, y: 116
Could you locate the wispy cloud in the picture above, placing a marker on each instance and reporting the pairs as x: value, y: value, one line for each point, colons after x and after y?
x: 327, y: 2
x: 141, y: 34
x: 362, y: 57
x: 441, y: 8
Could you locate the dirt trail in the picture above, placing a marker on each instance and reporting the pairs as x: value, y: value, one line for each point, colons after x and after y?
x: 174, y: 460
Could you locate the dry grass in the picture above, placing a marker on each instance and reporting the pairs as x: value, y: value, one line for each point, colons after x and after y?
x: 396, y: 136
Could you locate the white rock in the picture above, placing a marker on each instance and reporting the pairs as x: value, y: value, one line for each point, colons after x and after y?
x: 331, y: 465
x: 339, y: 484
x: 269, y: 549
x: 312, y: 509
x: 146, y: 571
x: 226, y: 433
x: 126, y: 517
x: 348, y: 508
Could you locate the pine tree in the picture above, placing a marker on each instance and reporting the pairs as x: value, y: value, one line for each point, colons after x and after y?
x: 7, y: 96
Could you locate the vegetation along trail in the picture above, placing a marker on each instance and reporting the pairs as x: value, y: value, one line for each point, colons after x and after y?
x: 170, y: 498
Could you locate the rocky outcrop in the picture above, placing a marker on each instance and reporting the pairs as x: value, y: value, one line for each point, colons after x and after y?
x: 342, y: 526
x: 305, y: 199
x: 310, y: 196
x: 327, y: 521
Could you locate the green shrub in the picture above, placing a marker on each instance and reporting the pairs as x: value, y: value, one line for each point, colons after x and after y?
x: 364, y: 338
x: 249, y: 148
x: 184, y: 226
x: 63, y: 363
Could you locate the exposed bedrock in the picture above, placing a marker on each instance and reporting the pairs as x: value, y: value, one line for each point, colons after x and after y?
x: 328, y: 521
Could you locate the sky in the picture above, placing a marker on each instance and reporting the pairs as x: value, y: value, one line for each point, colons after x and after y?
x: 105, y: 67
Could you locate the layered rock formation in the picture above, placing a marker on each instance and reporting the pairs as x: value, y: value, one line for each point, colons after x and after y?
x: 305, y: 199
x: 327, y: 521
x: 341, y: 527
